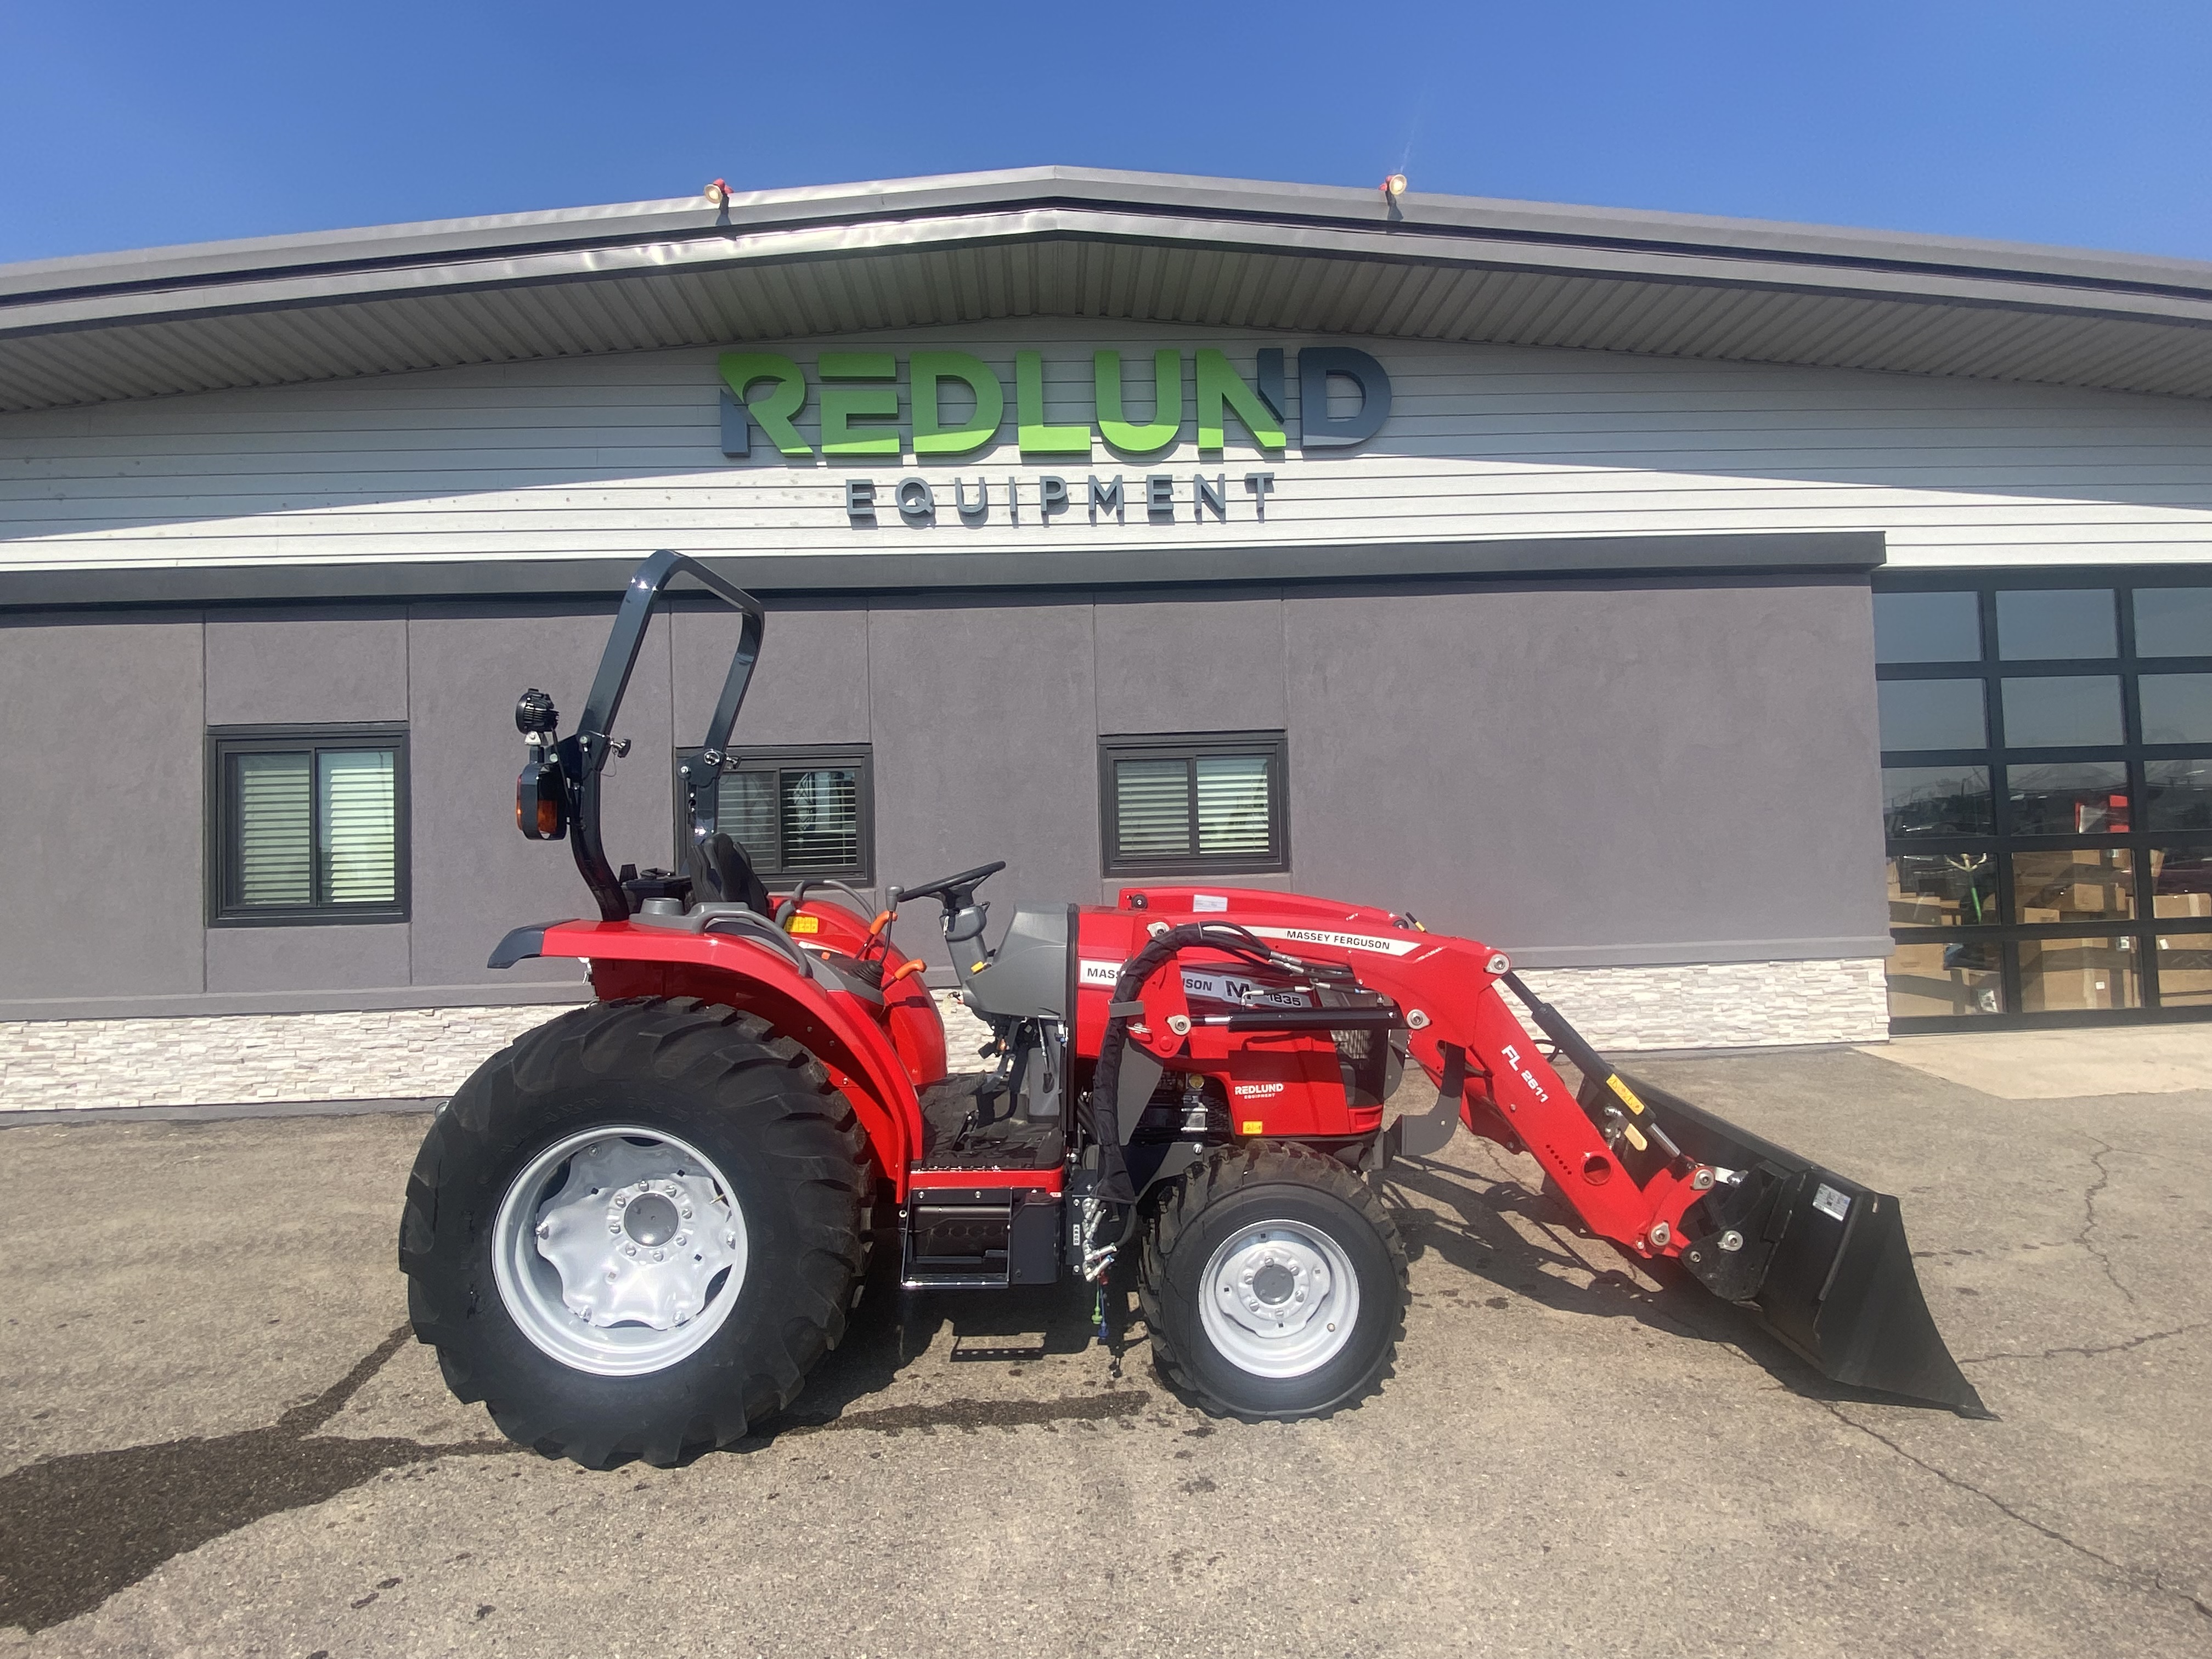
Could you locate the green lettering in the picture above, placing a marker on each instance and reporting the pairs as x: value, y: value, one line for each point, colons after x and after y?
x: 925, y: 369
x: 741, y: 369
x: 1218, y: 384
x: 842, y: 404
x: 1037, y: 438
x: 1161, y: 431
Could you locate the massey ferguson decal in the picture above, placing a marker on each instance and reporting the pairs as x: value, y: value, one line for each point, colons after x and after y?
x: 1390, y: 947
x: 1214, y: 988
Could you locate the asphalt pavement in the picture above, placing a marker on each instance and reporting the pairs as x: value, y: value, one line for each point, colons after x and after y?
x: 215, y: 1437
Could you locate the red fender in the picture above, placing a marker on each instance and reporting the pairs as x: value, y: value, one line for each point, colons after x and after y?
x: 628, y: 961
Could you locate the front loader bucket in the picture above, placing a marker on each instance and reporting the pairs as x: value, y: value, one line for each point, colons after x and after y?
x: 1822, y: 1259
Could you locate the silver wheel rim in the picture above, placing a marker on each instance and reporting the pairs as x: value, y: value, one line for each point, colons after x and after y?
x: 619, y: 1251
x: 1279, y: 1300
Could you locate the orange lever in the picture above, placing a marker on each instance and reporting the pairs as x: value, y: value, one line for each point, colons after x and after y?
x: 914, y: 967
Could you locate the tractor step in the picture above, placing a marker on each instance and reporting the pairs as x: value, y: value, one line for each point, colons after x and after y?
x: 979, y: 1239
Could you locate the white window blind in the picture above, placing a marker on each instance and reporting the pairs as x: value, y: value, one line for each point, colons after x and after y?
x: 1152, y: 807
x: 357, y: 798
x: 744, y: 810
x: 1232, y: 803
x: 309, y: 829
x: 1215, y: 801
x: 276, y: 830
x: 821, y: 819
x: 794, y: 820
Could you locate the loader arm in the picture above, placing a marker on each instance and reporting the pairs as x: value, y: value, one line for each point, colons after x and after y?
x: 1821, y: 1258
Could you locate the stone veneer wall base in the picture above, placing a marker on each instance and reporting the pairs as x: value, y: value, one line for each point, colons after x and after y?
x: 416, y: 1052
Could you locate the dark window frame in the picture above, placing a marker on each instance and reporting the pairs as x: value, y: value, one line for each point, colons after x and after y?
x: 798, y: 757
x: 1191, y: 746
x: 219, y: 830
x: 2144, y: 928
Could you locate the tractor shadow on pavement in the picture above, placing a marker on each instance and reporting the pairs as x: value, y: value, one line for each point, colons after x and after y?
x: 1491, y: 1226
x: 893, y: 1328
x: 1469, y: 1217
x: 81, y: 1527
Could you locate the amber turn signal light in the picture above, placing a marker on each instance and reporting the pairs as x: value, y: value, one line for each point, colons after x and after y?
x: 540, y: 804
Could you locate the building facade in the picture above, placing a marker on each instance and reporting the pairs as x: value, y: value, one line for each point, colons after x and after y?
x: 1763, y: 635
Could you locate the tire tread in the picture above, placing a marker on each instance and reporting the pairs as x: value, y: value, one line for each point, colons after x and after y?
x: 799, y: 1127
x: 1183, y: 1200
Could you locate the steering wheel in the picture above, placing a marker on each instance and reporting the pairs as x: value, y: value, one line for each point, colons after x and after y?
x: 951, y: 889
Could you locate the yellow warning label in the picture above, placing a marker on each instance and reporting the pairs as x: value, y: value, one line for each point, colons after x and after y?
x: 806, y: 924
x: 1251, y: 1125
x: 1626, y: 1094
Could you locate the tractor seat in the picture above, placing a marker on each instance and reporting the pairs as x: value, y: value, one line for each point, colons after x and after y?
x: 719, y: 866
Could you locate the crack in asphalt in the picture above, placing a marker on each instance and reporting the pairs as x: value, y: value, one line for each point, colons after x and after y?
x: 2089, y: 1219
x: 2026, y: 1248
x: 75, y: 1529
x: 2137, y: 1575
x: 2091, y: 1352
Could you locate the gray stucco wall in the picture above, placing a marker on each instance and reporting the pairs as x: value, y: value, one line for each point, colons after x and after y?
x: 100, y: 752
x: 1630, y: 771
x: 1637, y: 772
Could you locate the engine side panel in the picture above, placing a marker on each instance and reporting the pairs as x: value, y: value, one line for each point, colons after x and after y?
x: 1272, y: 1083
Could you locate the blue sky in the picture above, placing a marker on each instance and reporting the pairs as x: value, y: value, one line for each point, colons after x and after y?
x: 126, y: 125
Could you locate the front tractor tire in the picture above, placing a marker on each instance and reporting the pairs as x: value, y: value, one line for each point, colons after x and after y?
x: 1274, y: 1282
x: 635, y: 1230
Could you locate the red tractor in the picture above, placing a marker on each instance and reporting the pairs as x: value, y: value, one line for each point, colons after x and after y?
x: 634, y: 1231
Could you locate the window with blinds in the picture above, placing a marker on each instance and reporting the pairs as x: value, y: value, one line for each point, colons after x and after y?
x: 1207, y: 802
x: 797, y: 812
x: 307, y: 825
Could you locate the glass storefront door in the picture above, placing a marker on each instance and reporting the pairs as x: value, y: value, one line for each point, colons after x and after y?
x: 2047, y: 797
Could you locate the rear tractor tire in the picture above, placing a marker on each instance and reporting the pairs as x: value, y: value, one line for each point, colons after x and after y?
x: 1274, y: 1282
x: 633, y: 1231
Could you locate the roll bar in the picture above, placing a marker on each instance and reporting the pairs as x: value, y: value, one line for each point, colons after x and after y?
x: 584, y: 751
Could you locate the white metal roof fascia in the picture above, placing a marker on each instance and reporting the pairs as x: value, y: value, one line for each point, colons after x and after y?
x: 295, y: 289
x: 1417, y: 215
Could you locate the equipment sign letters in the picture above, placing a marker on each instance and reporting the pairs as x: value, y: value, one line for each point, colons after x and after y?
x: 938, y: 406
